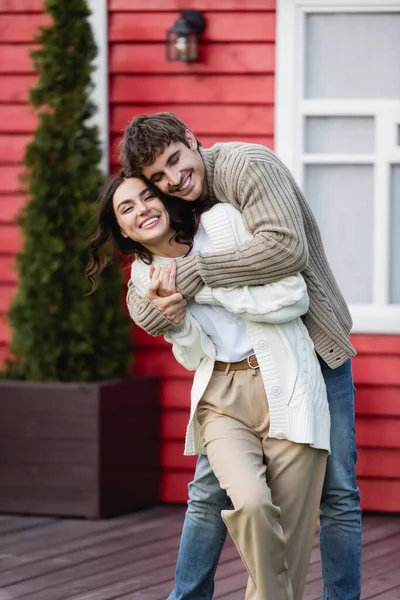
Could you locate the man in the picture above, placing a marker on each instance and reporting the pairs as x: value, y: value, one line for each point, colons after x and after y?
x: 162, y: 150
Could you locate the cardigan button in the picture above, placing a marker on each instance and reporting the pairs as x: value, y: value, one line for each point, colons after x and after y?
x: 280, y: 435
x: 275, y: 390
x: 262, y: 345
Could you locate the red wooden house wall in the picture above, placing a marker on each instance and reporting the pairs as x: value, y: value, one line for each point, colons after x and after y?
x: 376, y: 371
x: 19, y: 20
x: 229, y: 95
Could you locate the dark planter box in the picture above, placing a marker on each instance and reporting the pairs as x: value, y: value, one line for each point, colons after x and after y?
x: 79, y: 449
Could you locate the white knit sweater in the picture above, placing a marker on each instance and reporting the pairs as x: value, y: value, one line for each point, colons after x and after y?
x: 288, y: 364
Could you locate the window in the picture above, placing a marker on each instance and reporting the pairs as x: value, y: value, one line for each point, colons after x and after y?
x: 338, y: 130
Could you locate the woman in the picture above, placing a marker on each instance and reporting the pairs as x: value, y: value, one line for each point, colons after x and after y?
x: 258, y: 404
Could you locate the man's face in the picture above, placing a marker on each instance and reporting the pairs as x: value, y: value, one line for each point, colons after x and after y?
x: 179, y: 171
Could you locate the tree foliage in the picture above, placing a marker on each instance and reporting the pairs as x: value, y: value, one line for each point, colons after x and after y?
x: 60, y: 333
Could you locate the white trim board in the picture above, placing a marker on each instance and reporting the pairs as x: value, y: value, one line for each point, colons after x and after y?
x: 99, y: 24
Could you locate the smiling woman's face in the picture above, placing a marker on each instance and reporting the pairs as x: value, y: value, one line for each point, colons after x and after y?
x: 141, y: 215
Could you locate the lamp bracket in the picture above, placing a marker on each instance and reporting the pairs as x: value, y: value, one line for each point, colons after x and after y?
x: 195, y: 20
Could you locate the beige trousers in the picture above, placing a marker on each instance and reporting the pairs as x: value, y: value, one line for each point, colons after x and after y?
x: 275, y: 485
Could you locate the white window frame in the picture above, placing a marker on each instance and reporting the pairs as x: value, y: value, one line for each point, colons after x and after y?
x: 290, y: 110
x: 99, y: 23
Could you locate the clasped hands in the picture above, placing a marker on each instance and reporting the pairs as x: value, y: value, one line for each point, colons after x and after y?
x: 164, y: 294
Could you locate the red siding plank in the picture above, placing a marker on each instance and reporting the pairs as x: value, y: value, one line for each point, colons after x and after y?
x: 376, y: 344
x: 17, y: 28
x: 371, y: 463
x: 370, y: 433
x: 17, y: 118
x: 10, y: 179
x: 7, y: 270
x: 376, y: 494
x: 3, y: 353
x: 204, y: 119
x: 173, y: 457
x: 172, y: 5
x: 14, y: 88
x: 143, y: 339
x: 173, y: 424
x: 221, y: 27
x: 378, y: 432
x: 10, y: 239
x: 173, y: 488
x: 157, y: 362
x: 377, y: 401
x: 216, y: 58
x: 12, y: 147
x: 379, y: 495
x: 175, y: 393
x: 21, y: 6
x: 192, y: 89
x: 376, y: 370
x: 5, y: 333
x: 9, y: 207
x: 114, y: 141
x: 14, y: 58
x: 6, y: 294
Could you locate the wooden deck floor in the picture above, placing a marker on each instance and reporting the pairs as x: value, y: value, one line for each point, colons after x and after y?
x: 133, y: 557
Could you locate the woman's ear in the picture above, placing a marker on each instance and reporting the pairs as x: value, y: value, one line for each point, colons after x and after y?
x: 124, y: 235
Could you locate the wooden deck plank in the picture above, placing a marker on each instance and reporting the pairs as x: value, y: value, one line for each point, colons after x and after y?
x: 157, y: 564
x: 39, y: 538
x: 147, y: 574
x: 229, y: 587
x: 157, y: 574
x: 387, y: 528
x: 99, y: 531
x: 95, y: 553
x: 133, y: 558
x: 12, y: 525
x: 393, y: 594
x: 386, y: 582
x: 378, y: 575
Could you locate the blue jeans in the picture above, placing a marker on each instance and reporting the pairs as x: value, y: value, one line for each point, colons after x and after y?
x: 204, y: 532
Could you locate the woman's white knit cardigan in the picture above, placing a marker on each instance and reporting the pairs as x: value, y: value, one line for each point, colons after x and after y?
x: 288, y: 364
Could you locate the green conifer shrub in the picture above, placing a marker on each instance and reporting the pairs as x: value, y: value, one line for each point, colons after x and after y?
x: 58, y: 332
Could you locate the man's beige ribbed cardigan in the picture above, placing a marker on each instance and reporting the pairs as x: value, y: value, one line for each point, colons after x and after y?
x: 287, y: 241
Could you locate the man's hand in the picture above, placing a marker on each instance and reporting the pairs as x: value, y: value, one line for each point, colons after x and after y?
x: 166, y: 279
x: 163, y: 294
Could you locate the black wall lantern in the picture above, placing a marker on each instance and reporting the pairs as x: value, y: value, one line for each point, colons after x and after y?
x: 183, y: 38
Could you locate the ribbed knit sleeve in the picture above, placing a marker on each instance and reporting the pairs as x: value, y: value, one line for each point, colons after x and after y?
x: 272, y: 214
x: 269, y: 206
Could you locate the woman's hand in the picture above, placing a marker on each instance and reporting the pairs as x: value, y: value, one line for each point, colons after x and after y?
x: 163, y: 294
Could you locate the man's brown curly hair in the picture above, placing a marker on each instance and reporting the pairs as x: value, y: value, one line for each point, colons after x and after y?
x: 146, y: 137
